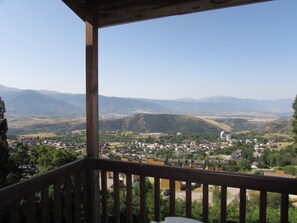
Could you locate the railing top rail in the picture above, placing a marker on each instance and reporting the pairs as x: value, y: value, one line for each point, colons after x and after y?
x: 23, y: 188
x: 262, y: 183
x: 265, y: 183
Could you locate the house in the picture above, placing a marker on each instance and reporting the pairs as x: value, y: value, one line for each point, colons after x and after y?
x: 236, y: 155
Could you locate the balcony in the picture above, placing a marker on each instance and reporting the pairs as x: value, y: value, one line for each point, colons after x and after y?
x: 65, y: 194
x: 72, y: 193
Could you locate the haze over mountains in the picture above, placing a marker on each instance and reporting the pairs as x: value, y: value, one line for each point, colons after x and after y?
x: 32, y: 111
x: 56, y: 104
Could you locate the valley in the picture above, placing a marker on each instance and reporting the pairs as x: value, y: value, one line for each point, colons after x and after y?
x: 25, y: 124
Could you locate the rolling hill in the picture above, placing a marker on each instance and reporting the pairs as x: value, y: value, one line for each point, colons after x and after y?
x: 238, y: 124
x: 277, y: 126
x: 142, y: 123
x: 148, y: 123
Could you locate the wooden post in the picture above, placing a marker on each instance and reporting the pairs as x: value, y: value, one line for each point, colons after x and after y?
x: 92, y: 108
x: 92, y: 83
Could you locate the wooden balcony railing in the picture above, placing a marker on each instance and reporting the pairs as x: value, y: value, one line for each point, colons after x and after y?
x: 31, y: 201
x: 61, y: 195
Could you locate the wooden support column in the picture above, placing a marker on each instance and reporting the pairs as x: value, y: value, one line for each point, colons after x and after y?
x: 92, y: 83
x: 92, y: 109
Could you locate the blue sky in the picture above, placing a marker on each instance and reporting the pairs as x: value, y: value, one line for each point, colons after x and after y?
x: 246, y: 52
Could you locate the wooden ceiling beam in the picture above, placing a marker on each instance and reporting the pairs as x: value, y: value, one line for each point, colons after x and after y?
x: 115, y: 12
x: 143, y: 10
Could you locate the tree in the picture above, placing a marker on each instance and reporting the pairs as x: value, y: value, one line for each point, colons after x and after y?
x: 46, y: 158
x: 231, y: 166
x: 8, y: 169
x: 2, y: 109
x: 3, y: 126
x: 248, y: 153
x: 21, y: 157
x: 244, y: 165
x: 294, y: 123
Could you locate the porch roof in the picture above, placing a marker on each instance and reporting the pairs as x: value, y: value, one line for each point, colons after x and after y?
x: 115, y: 12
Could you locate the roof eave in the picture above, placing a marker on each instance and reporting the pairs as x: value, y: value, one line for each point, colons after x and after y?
x: 115, y: 12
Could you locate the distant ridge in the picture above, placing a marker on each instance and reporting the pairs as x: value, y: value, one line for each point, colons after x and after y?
x: 56, y: 104
x: 31, y: 102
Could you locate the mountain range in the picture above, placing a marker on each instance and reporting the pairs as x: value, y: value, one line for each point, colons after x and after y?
x: 56, y: 104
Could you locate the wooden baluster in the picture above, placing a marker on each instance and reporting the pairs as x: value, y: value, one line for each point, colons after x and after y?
x: 14, y: 212
x: 263, y: 206
x: 157, y: 199
x: 142, y: 199
x: 223, y: 204
x: 104, y: 196
x: 172, y: 197
x: 129, y: 197
x: 45, y: 205
x: 68, y: 200
x: 188, y: 199
x: 205, y: 203
x: 116, y: 184
x: 284, y: 208
x: 85, y: 196
x: 77, y: 197
x: 31, y: 213
x: 57, y: 203
x: 242, y: 211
